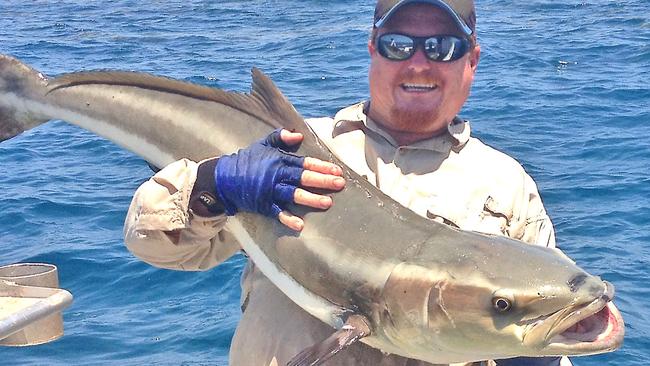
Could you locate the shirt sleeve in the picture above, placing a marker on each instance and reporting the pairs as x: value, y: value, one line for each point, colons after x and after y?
x: 537, y: 226
x: 162, y: 230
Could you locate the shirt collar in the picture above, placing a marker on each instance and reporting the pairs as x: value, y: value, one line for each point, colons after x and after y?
x: 354, y: 118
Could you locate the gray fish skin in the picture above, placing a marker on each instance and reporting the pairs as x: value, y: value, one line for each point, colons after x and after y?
x: 426, y: 290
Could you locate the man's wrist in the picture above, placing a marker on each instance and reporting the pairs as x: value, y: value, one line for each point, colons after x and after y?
x: 203, y: 199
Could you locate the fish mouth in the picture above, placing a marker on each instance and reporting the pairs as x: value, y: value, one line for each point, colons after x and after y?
x: 590, y: 328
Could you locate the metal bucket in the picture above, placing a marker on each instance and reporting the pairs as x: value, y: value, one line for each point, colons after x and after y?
x: 34, y: 282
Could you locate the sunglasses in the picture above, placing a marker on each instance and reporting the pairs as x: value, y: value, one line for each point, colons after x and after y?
x: 443, y: 48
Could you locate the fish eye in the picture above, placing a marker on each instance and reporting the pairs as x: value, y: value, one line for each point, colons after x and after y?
x: 501, y: 304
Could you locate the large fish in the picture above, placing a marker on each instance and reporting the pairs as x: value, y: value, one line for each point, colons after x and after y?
x: 370, y: 268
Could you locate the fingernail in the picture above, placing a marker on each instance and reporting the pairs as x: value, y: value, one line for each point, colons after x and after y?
x: 339, y: 182
x: 325, y: 202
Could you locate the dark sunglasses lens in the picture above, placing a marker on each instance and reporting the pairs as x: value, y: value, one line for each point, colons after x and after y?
x: 433, y: 48
x: 445, y: 48
x: 399, y: 47
x: 395, y: 46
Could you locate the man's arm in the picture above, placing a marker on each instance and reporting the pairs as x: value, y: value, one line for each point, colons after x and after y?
x: 162, y: 229
x: 176, y: 219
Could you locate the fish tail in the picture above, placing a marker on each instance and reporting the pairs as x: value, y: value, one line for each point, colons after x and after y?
x: 19, y: 84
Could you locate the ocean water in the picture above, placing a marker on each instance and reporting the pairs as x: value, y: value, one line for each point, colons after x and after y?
x: 562, y: 86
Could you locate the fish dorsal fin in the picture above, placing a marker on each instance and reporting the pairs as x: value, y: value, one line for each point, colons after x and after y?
x: 355, y: 328
x: 267, y: 92
x: 265, y: 102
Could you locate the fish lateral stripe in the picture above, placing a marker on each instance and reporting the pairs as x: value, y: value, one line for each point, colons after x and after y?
x: 125, y: 139
x: 317, y: 306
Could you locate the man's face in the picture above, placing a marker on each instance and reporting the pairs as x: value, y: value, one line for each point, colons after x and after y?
x: 418, y: 98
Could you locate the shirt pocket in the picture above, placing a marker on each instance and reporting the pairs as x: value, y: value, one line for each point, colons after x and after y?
x: 497, y: 217
x: 484, y: 213
x: 452, y: 209
x: 442, y: 219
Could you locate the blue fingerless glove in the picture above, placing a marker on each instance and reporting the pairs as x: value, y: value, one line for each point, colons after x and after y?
x: 261, y: 178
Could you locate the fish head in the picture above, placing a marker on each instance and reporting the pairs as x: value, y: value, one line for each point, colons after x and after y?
x: 573, y: 317
x: 490, y: 311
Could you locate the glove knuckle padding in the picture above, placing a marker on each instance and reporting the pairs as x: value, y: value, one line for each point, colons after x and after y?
x: 290, y: 175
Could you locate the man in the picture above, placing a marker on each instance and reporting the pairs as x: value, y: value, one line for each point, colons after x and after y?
x: 407, y: 140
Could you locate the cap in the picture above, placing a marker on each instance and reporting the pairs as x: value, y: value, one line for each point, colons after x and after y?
x: 462, y: 11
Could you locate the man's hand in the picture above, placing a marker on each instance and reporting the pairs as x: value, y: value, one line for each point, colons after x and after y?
x: 264, y: 178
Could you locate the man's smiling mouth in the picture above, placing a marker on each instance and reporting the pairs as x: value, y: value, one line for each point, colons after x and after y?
x: 418, y: 88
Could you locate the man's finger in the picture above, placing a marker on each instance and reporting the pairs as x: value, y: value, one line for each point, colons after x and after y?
x: 306, y: 198
x: 321, y: 166
x: 319, y: 180
x: 290, y: 138
x: 291, y: 221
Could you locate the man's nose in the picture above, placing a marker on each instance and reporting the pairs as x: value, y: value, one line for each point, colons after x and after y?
x: 419, y: 61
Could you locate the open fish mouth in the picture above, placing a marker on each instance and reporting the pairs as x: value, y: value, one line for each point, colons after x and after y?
x: 591, y: 328
x: 600, y: 332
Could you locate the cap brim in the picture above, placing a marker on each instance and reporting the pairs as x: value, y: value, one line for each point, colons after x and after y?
x: 441, y: 4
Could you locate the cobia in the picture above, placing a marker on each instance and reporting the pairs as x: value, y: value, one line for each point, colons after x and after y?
x: 372, y: 269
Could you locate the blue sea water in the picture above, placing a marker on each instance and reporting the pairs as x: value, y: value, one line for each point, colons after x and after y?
x: 562, y: 86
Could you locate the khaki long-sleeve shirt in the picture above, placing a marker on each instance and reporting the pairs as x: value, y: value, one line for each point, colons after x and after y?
x: 452, y: 178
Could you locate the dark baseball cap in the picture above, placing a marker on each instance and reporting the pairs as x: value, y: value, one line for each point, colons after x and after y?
x: 462, y: 11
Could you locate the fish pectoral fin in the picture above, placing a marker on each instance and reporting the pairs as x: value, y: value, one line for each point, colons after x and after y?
x: 355, y: 328
x: 153, y: 167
